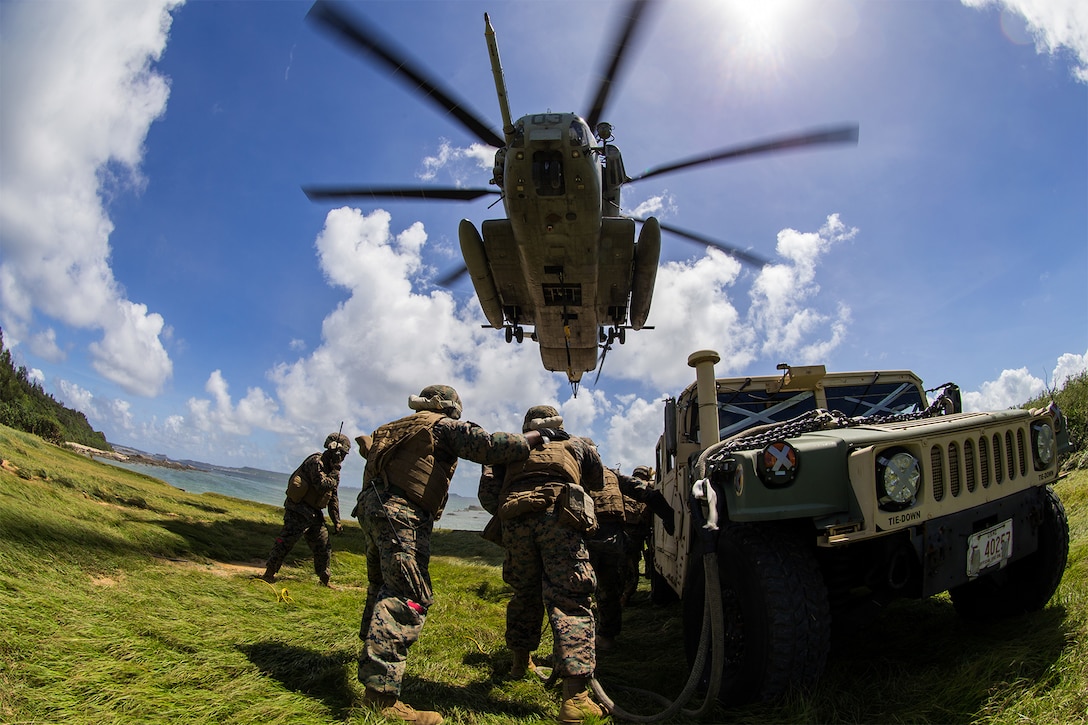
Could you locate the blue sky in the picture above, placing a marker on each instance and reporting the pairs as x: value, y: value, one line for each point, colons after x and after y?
x: 162, y: 271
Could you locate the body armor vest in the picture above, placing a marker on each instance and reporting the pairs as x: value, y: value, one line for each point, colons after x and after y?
x: 608, y: 502
x: 554, y: 463
x: 301, y: 490
x: 403, y: 455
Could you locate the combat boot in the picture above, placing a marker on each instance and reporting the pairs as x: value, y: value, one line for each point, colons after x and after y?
x: 391, y: 708
x: 523, y: 662
x: 268, y: 576
x: 576, y: 705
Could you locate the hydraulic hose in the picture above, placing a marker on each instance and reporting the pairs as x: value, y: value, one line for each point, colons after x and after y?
x: 713, y: 630
x: 713, y: 626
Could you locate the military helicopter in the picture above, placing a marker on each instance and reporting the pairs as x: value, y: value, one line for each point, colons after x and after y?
x: 565, y: 260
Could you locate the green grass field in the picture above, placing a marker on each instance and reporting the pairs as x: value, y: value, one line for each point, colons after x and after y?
x: 123, y: 599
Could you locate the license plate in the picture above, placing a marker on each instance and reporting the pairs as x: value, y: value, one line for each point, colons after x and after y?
x: 989, y: 548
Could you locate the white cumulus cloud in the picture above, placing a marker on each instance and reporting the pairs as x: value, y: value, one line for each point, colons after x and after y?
x: 1055, y: 25
x: 71, y: 134
x: 1016, y: 387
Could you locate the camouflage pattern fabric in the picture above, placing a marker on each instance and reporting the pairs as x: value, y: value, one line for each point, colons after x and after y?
x: 638, y: 525
x: 469, y: 441
x: 547, y: 566
x: 607, y: 555
x: 301, y: 519
x: 321, y: 472
x: 490, y: 489
x: 398, y: 555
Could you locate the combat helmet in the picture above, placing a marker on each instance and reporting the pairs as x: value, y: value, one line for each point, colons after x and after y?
x: 338, y: 442
x: 644, y: 472
x: 541, y: 416
x: 437, y: 398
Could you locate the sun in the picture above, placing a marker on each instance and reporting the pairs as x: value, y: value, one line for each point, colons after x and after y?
x: 754, y: 41
x: 762, y: 21
x: 759, y: 28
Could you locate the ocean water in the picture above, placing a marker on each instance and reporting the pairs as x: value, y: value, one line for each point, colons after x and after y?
x: 251, y: 484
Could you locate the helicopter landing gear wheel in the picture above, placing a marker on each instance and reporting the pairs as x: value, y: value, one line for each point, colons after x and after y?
x: 509, y: 333
x: 519, y: 333
x: 621, y: 335
x: 602, y: 336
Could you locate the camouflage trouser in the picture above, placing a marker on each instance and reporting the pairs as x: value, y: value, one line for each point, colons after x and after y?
x: 398, y: 595
x: 301, y: 520
x: 610, y: 564
x: 547, y: 566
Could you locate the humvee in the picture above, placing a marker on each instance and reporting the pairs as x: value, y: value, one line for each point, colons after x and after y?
x: 821, y: 495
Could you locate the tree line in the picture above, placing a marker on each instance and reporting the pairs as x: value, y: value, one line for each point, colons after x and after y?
x: 25, y: 406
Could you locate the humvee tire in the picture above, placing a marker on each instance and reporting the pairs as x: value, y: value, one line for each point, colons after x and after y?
x: 1025, y: 585
x: 777, y: 618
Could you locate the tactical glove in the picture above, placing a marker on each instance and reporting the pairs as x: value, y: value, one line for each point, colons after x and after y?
x: 554, y: 434
x: 657, y: 503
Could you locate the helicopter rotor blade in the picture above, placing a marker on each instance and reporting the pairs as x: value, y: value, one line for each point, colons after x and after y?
x: 324, y: 193
x: 362, y: 36
x: 635, y: 11
x: 448, y: 279
x: 841, y: 134
x: 743, y: 255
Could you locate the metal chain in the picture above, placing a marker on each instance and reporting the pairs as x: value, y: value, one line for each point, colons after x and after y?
x: 822, y: 419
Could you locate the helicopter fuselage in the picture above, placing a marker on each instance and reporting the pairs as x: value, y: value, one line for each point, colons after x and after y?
x: 556, y: 262
x: 564, y: 261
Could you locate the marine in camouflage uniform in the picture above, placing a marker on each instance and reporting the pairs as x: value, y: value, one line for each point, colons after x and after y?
x: 607, y: 546
x: 637, y: 528
x: 405, y: 485
x: 312, y: 487
x: 547, y: 564
x: 606, y: 554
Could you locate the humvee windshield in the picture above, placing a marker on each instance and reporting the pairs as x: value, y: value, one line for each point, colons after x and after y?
x: 740, y: 409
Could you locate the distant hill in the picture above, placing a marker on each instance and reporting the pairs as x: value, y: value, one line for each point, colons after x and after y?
x: 25, y: 406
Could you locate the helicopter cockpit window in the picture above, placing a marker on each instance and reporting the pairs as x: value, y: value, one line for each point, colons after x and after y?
x: 579, y: 134
x: 548, y: 173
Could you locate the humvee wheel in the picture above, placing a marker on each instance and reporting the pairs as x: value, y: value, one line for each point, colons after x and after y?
x: 777, y: 618
x: 1025, y: 585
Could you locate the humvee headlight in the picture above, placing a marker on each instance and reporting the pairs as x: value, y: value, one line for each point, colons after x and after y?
x: 898, y: 476
x: 1043, y: 444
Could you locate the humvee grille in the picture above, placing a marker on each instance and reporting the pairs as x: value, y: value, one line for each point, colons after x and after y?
x: 957, y: 467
